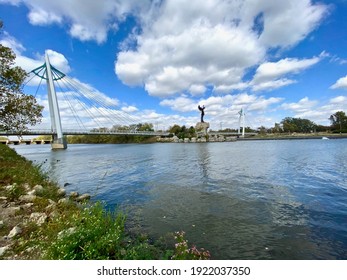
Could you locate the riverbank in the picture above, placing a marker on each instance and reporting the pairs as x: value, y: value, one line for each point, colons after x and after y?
x: 39, y: 220
x: 296, y: 136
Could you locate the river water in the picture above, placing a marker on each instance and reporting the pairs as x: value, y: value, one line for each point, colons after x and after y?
x: 240, y: 200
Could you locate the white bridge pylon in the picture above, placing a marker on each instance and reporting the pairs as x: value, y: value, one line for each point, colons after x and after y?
x: 59, y: 142
x: 241, y: 122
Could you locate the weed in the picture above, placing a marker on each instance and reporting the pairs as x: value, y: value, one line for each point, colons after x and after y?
x: 183, y: 252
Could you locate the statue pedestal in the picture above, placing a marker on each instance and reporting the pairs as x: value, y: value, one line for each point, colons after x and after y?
x: 201, y: 128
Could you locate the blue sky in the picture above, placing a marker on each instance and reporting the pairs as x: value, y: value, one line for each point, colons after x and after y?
x: 157, y: 60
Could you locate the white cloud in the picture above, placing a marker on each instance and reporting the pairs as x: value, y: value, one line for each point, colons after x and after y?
x: 316, y: 111
x: 186, y: 47
x: 269, y: 75
x: 180, y: 104
x: 269, y: 71
x: 184, y: 44
x: 11, y: 42
x: 12, y: 2
x: 303, y: 105
x: 341, y: 83
x: 288, y: 22
x: 338, y: 100
x: 88, y: 19
x: 42, y: 17
x: 130, y: 109
x: 270, y: 85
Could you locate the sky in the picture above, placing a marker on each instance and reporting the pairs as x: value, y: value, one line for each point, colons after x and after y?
x: 157, y: 60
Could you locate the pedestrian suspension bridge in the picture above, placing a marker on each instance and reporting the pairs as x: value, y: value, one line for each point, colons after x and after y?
x: 90, y: 109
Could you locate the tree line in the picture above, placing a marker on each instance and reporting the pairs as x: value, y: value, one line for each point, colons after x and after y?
x: 338, y: 123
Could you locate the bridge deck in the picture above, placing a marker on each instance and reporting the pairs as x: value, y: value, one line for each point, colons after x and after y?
x: 79, y: 132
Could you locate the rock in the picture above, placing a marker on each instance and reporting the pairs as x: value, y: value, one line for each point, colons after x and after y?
x: 61, y: 192
x: 1, y: 224
x: 51, y: 206
x: 27, y: 198
x: 68, y: 231
x: 83, y: 197
x: 175, y: 139
x: 3, y: 250
x: 11, y: 211
x: 38, y: 189
x: 26, y: 187
x: 74, y: 194
x: 63, y: 200
x: 27, y: 205
x: 3, y: 198
x: 14, y: 232
x: 11, y: 187
x: 32, y: 192
x: 201, y: 128
x: 38, y: 218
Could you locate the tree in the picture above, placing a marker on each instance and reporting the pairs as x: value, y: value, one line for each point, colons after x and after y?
x: 298, y: 125
x: 182, y: 131
x: 17, y: 110
x: 339, y: 120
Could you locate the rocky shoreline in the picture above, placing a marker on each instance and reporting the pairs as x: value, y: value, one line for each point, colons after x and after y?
x: 30, y: 208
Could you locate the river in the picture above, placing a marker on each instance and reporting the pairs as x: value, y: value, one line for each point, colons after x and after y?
x: 284, y: 199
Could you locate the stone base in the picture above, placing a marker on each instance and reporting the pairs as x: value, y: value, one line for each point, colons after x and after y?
x: 59, y: 144
x: 201, y: 128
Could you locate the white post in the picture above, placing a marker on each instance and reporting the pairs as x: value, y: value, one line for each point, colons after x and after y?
x: 243, y: 123
x: 58, y: 138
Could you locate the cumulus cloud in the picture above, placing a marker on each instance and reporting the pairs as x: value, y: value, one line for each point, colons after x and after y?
x: 340, y: 83
x: 88, y: 19
x: 269, y: 75
x: 187, y: 47
x: 129, y: 109
x: 180, y: 104
x: 182, y: 45
x: 301, y: 106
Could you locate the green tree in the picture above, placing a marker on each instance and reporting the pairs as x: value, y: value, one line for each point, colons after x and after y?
x: 298, y: 125
x: 339, y: 121
x: 182, y: 131
x: 17, y: 110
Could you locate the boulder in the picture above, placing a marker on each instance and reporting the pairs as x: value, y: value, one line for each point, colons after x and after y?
x: 61, y: 192
x: 74, y: 194
x: 83, y: 197
x: 3, y: 250
x: 11, y: 211
x: 11, y: 187
x: 38, y: 218
x: 202, y: 127
x: 14, y: 232
x: 27, y: 198
x: 64, y: 200
x: 38, y: 189
x: 175, y: 139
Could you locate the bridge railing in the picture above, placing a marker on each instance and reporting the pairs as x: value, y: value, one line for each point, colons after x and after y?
x: 84, y: 132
